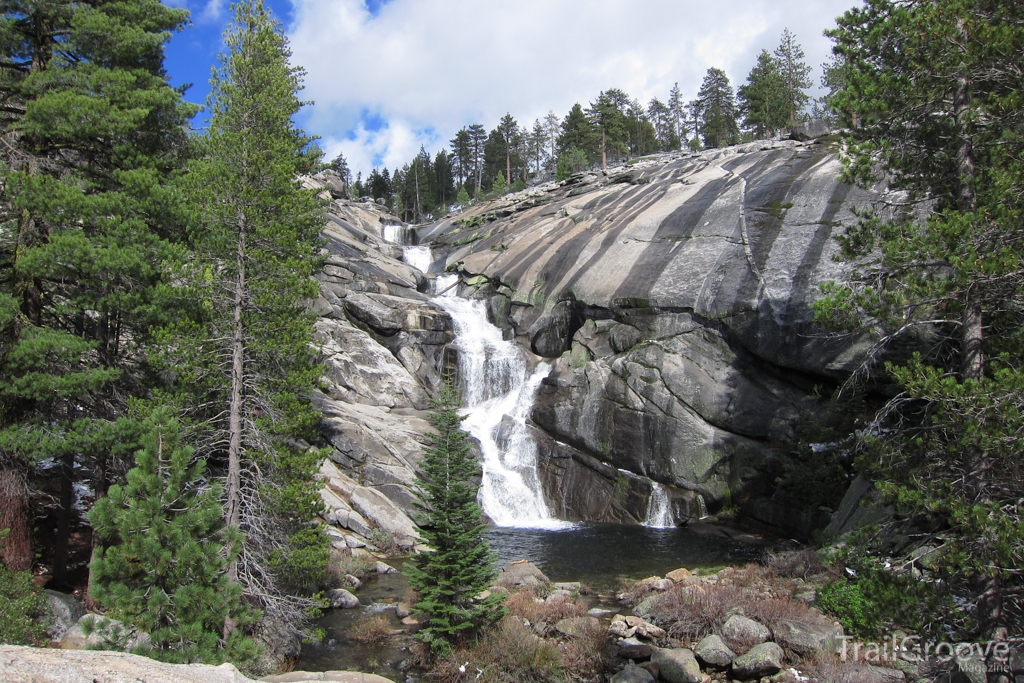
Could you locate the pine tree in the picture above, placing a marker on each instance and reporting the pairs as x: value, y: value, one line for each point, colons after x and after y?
x: 245, y: 366
x: 94, y: 135
x: 715, y: 109
x: 935, y: 89
x: 460, y: 566
x: 608, y: 115
x: 578, y: 140
x: 162, y: 563
x: 765, y: 100
x: 795, y: 74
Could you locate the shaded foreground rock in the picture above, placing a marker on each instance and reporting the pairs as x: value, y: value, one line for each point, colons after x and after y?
x: 633, y: 674
x: 677, y: 665
x: 342, y: 599
x: 764, y: 659
x: 65, y: 611
x: 713, y: 651
x: 740, y: 629
x: 806, y: 639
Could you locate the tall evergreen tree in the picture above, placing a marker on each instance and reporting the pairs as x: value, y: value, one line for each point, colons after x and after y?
x: 93, y: 135
x: 246, y: 368
x: 935, y: 88
x: 795, y: 74
x: 477, y: 143
x: 162, y: 565
x: 677, y: 112
x: 764, y: 99
x: 608, y: 116
x: 461, y: 566
x: 716, y: 110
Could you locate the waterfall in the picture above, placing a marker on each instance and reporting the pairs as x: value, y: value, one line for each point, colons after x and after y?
x: 499, y: 397
x: 659, y: 510
x: 444, y: 285
x: 703, y: 506
x: 396, y: 234
x: 419, y: 258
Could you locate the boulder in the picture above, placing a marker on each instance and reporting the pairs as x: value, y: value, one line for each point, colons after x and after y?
x: 631, y: 648
x: 633, y: 674
x: 43, y: 665
x: 764, y: 659
x: 679, y: 575
x: 809, y: 638
x: 677, y: 665
x: 383, y: 568
x: 574, y: 627
x: 340, y: 598
x: 740, y: 629
x: 627, y: 626
x: 713, y: 651
x: 64, y: 610
x: 810, y: 130
x: 521, y: 573
x: 383, y: 513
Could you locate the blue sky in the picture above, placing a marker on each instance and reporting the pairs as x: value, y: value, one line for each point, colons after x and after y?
x: 388, y: 76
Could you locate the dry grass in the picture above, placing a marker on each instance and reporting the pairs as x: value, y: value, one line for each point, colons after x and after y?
x: 586, y: 656
x: 343, y: 562
x: 375, y: 629
x: 693, y: 611
x: 524, y: 604
x: 632, y: 593
x: 508, y: 653
x: 798, y: 564
x: 829, y: 668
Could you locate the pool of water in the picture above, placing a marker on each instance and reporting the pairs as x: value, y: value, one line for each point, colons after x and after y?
x: 598, y: 555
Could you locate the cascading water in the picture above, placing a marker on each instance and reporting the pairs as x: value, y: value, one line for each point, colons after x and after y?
x: 499, y: 396
x: 703, y: 506
x: 418, y: 257
x: 659, y: 509
x: 396, y: 234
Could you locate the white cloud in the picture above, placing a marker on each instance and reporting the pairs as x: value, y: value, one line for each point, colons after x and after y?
x: 212, y: 12
x: 428, y: 67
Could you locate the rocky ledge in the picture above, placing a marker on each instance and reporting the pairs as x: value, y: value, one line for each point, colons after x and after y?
x: 39, y: 665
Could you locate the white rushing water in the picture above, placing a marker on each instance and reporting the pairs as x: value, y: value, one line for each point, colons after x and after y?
x: 419, y: 258
x: 499, y: 397
x: 396, y: 234
x: 659, y: 510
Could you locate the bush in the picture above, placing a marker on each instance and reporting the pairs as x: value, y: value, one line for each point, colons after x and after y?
x: 693, y: 611
x: 24, y: 615
x: 375, y: 629
x: 342, y: 563
x: 508, y: 653
x: 524, y: 604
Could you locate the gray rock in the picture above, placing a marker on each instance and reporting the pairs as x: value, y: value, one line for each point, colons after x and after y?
x: 64, y: 610
x: 624, y: 337
x: 574, y: 627
x: 677, y: 665
x: 631, y: 648
x: 340, y: 598
x: 521, y: 573
x: 713, y: 651
x: 764, y: 659
x: 557, y: 595
x: 633, y: 674
x: 383, y: 568
x: 809, y: 638
x: 810, y: 130
x: 740, y: 629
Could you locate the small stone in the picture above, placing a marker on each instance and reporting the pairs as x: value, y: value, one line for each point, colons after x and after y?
x: 677, y: 665
x: 713, y: 651
x: 599, y: 612
x: 558, y: 595
x: 342, y: 599
x: 403, y: 610
x: 764, y: 659
x: 353, y: 582
x: 383, y: 568
x: 740, y: 629
x: 571, y: 586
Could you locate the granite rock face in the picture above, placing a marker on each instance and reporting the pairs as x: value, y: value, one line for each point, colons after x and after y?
x: 675, y: 297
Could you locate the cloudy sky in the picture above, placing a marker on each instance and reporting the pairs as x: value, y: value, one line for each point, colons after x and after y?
x: 389, y: 75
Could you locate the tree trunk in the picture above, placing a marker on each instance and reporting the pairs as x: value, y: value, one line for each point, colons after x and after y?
x: 508, y: 163
x: 232, y: 513
x: 59, y: 578
x: 604, y: 153
x: 16, y: 546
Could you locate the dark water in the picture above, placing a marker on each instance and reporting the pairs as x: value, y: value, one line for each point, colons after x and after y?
x: 601, y: 554
x: 598, y: 555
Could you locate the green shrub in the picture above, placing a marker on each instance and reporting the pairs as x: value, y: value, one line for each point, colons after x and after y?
x: 24, y: 616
